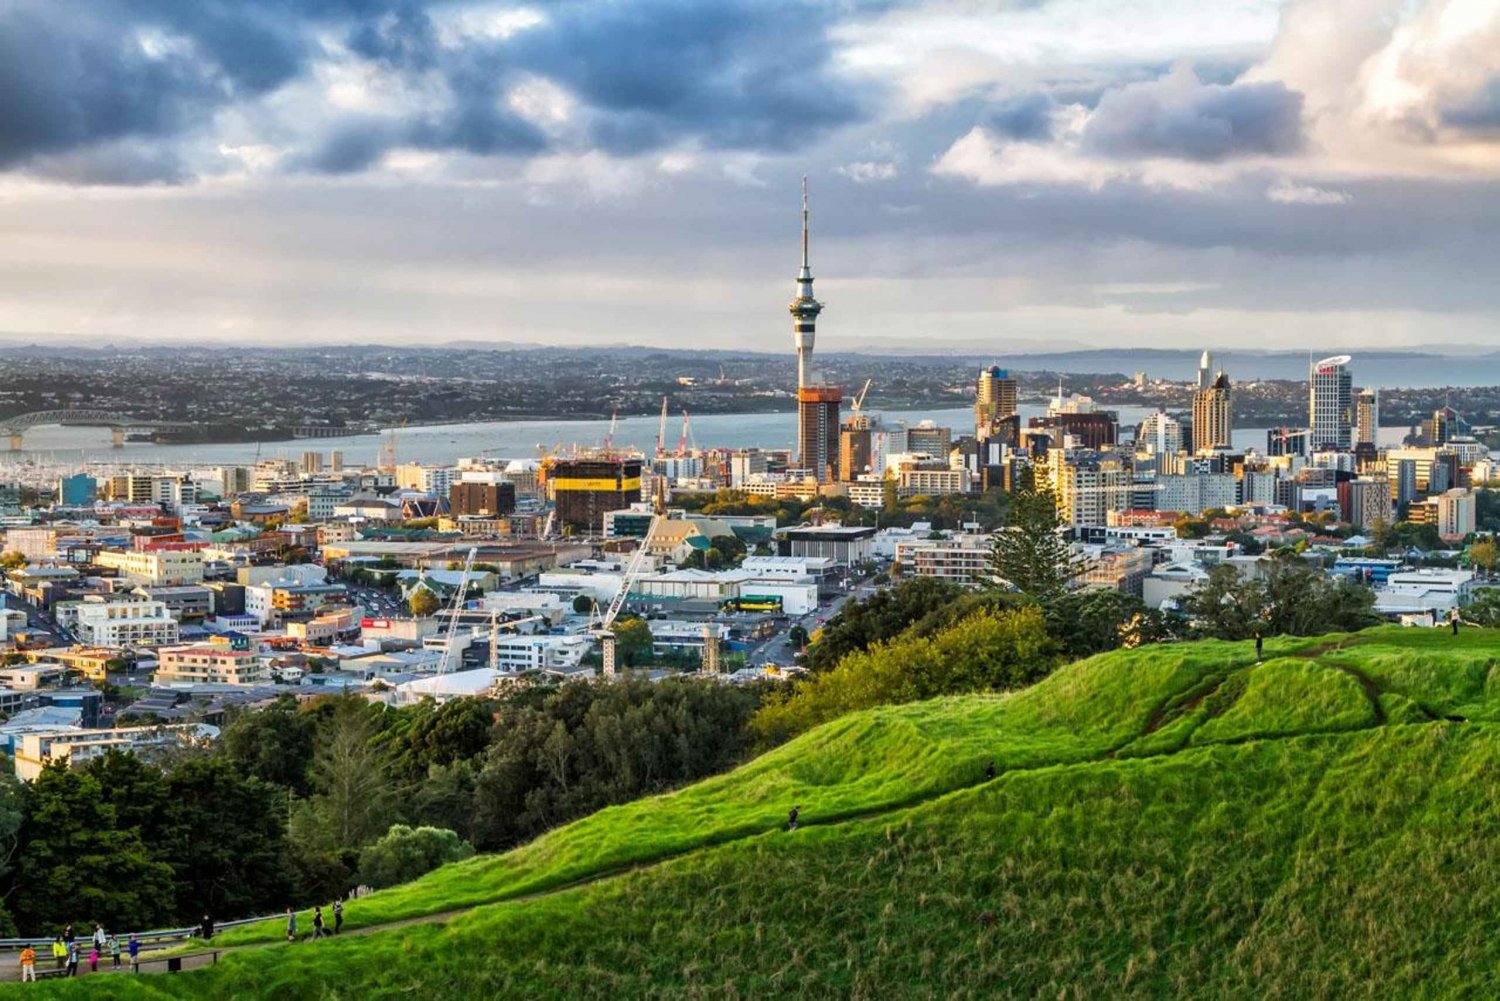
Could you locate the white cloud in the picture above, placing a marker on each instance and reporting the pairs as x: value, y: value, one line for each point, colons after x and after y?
x: 1291, y: 193
x: 867, y: 171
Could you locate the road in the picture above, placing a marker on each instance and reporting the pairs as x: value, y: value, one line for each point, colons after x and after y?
x: 778, y: 649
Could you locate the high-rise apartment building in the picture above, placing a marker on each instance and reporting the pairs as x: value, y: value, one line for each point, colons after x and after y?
x: 312, y: 462
x: 1330, y: 404
x: 856, y: 452
x: 1367, y: 417
x: 1211, y: 413
x: 817, y: 404
x: 818, y: 431
x: 994, y: 401
x: 1159, y: 434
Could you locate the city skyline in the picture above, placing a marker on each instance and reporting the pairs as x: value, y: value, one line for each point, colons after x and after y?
x: 1009, y: 181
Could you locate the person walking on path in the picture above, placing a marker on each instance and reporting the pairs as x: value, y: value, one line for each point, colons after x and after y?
x: 135, y: 953
x: 60, y: 952
x: 72, y: 959
x: 338, y: 915
x: 114, y: 950
x: 28, y: 964
x: 291, y: 925
x: 318, y: 922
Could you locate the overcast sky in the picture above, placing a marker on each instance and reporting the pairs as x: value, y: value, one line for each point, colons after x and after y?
x: 1009, y: 176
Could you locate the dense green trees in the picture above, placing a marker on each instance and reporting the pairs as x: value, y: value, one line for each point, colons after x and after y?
x: 989, y: 650
x: 882, y: 616
x: 1286, y: 596
x: 404, y: 853
x: 563, y: 753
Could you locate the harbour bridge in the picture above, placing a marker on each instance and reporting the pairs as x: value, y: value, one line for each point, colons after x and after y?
x: 15, y: 427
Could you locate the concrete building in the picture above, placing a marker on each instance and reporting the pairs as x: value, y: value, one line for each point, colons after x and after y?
x: 1159, y: 434
x: 484, y: 500
x: 1367, y: 417
x: 1089, y: 485
x: 156, y: 568
x: 994, y: 400
x: 33, y: 751
x: 963, y: 559
x: 845, y: 546
x: 209, y: 663
x: 1212, y: 426
x: 1196, y: 494
x: 1330, y: 405
x: 125, y: 623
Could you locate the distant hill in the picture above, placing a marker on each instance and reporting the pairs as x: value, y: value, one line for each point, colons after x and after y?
x: 1173, y: 821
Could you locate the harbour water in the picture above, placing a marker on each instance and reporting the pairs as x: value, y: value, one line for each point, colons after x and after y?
x: 74, y: 446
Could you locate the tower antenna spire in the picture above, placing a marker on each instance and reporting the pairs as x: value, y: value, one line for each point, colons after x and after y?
x: 804, y: 223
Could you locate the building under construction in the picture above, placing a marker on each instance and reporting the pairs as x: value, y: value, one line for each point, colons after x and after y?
x: 585, y: 488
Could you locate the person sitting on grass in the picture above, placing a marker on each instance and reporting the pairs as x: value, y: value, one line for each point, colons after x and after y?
x: 791, y: 818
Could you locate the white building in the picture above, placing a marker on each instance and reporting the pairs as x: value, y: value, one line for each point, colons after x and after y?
x: 1424, y: 590
x: 963, y: 559
x: 126, y: 623
x: 75, y: 745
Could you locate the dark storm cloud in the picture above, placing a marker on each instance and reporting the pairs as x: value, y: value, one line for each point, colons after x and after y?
x: 1025, y: 116
x: 1479, y: 114
x: 735, y: 74
x: 1180, y: 117
x: 68, y: 82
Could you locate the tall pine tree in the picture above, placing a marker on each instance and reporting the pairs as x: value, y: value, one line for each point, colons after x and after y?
x: 1029, y: 552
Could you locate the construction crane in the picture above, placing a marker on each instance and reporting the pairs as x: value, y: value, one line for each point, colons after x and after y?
x: 605, y: 630
x: 682, y: 442
x: 458, y: 605
x: 859, y: 401
x: 547, y: 525
x: 661, y: 431
x: 609, y: 437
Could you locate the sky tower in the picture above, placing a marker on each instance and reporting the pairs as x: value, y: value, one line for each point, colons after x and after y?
x: 817, y: 404
x: 804, y: 308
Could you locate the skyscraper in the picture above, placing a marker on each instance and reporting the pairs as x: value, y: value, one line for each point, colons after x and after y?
x: 804, y: 308
x: 1367, y: 417
x: 994, y: 401
x: 817, y: 404
x: 1211, y: 412
x: 1205, y: 370
x: 1330, y: 404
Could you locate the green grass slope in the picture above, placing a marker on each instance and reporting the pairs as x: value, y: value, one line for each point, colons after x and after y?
x: 1172, y: 821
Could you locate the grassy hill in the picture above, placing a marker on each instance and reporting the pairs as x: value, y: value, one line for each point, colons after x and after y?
x: 1170, y: 821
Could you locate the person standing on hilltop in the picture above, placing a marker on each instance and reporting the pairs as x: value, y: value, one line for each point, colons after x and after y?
x: 291, y: 925
x: 28, y: 964
x: 338, y: 915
